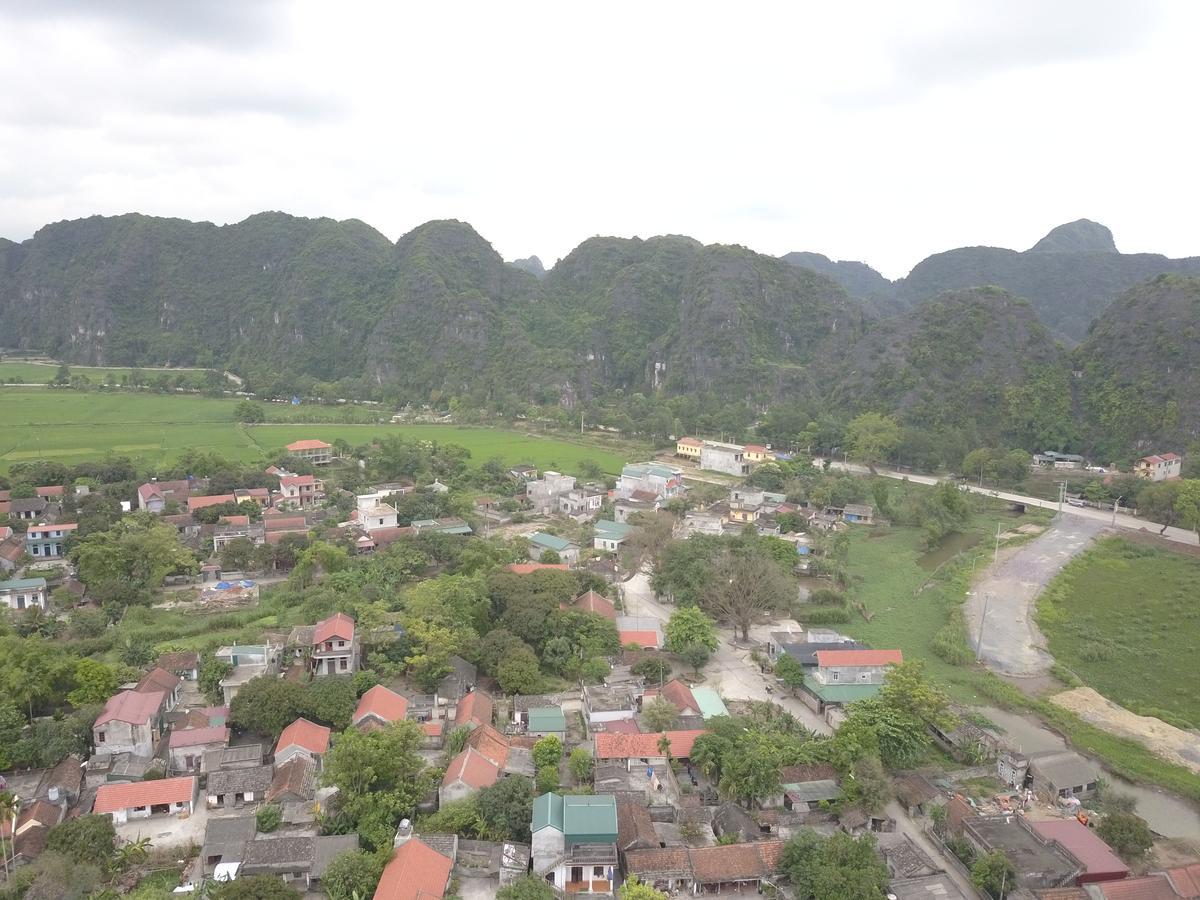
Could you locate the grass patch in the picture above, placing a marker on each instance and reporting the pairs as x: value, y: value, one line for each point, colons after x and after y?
x: 1124, y: 619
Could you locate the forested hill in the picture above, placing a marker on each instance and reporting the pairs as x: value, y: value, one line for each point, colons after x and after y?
x: 1070, y: 276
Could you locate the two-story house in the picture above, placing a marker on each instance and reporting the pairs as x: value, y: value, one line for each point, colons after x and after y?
x: 232, y: 528
x: 131, y: 722
x: 843, y: 676
x: 574, y: 842
x: 334, y: 648
x: 159, y: 680
x: 580, y: 503
x: 22, y: 593
x: 43, y: 540
x: 543, y: 493
x: 155, y: 495
x: 378, y: 515
x: 720, y: 457
x: 301, y: 490
x: 652, y: 480
x: 316, y: 452
x: 1159, y: 467
x: 689, y: 448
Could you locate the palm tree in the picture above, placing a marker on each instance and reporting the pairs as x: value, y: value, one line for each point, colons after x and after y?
x: 132, y: 853
x: 10, y: 805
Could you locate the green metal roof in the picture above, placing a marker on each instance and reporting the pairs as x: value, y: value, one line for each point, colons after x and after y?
x: 840, y: 693
x: 547, y: 812
x: 609, y: 529
x: 582, y: 818
x: 635, y: 469
x: 549, y: 541
x: 710, y: 702
x: 22, y: 584
x: 547, y: 718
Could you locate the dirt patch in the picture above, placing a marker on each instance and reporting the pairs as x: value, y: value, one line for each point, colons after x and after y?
x: 1165, y: 741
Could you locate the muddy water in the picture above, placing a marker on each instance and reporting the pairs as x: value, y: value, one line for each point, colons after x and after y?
x: 950, y: 547
x: 1167, y: 815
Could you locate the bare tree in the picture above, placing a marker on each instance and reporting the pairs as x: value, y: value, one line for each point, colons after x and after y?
x: 646, y: 543
x: 743, y: 587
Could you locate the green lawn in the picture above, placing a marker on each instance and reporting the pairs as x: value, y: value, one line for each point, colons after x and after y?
x: 1125, y: 619
x: 13, y: 371
x: 71, y: 426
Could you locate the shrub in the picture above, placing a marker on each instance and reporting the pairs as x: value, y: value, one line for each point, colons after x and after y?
x: 829, y: 615
x: 268, y: 818
x: 827, y: 597
x: 950, y: 645
x: 652, y: 668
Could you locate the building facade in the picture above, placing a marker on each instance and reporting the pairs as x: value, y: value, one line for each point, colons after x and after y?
x: 23, y: 593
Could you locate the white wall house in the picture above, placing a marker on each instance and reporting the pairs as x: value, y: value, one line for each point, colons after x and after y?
x: 22, y: 593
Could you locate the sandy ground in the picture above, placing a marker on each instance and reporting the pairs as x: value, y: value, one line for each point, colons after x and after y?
x: 1167, y: 741
x: 1005, y: 596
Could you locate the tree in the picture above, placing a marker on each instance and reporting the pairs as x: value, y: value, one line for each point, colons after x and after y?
x: 790, y: 672
x: 547, y: 779
x: 633, y: 889
x: 689, y: 626
x: 237, y: 555
x: 253, y: 887
x: 1187, y: 504
x: 519, y: 673
x: 743, y: 586
x: 872, y: 437
x: 1156, y: 503
x: 250, y: 412
x: 870, y: 788
x: 580, y: 763
x: 994, y: 874
x: 95, y: 682
x: 835, y: 868
x: 548, y: 751
x: 268, y: 817
x: 506, y: 808
x: 1126, y: 833
x: 131, y: 558
x: 352, y: 876
x: 654, y: 669
x: 87, y: 839
x: 526, y: 888
x: 267, y: 705
x: 660, y: 714
x: 753, y: 772
x: 212, y: 671
x: 906, y: 688
x: 873, y: 726
x: 695, y: 655
x: 550, y: 557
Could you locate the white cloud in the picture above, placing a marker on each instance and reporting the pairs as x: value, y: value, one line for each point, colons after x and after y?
x: 881, y: 132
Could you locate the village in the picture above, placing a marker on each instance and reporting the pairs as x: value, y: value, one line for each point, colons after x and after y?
x: 694, y: 748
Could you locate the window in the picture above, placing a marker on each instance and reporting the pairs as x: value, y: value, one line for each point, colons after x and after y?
x: 100, y: 737
x: 597, y: 871
x: 342, y: 663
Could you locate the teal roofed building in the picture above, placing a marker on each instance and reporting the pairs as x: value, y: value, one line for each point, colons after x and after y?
x: 540, y: 542
x: 609, y: 535
x: 710, y: 702
x: 574, y: 841
x: 544, y: 720
x: 22, y: 593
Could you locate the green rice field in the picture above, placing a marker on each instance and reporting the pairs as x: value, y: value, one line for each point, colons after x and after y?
x: 20, y: 372
x: 70, y: 426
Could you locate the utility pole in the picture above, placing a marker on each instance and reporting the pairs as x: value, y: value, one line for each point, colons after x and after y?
x: 996, y: 552
x: 1062, y: 494
x: 987, y: 599
x: 1116, y: 503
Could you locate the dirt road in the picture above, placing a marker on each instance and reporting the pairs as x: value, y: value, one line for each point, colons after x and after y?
x: 1005, y: 597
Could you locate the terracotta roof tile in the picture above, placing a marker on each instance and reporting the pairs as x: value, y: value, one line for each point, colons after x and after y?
x: 491, y: 743
x: 638, y: 746
x: 381, y: 703
x: 531, y: 567
x: 158, y: 679
x: 294, y: 777
x: 193, y: 737
x: 476, y: 707
x: 308, y: 444
x: 859, y: 658
x: 473, y: 769
x: 133, y: 707
x: 668, y: 861
x: 1186, y: 880
x: 338, y: 625
x: 736, y: 862
x: 113, y: 797
x: 303, y: 733
x: 415, y: 872
x: 1151, y: 887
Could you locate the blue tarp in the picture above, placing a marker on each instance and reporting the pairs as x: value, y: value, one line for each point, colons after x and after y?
x: 223, y: 585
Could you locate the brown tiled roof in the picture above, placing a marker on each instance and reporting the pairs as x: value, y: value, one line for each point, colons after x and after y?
x: 736, y: 862
x: 1186, y: 880
x: 294, y: 777
x: 635, y: 828
x: 158, y: 679
x: 181, y: 661
x: 802, y: 774
x: 1150, y: 887
x: 491, y: 743
x: 668, y: 861
x: 637, y: 746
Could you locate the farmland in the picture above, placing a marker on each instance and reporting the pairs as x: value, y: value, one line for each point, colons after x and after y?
x: 21, y: 372
x: 1124, y: 618
x: 71, y: 426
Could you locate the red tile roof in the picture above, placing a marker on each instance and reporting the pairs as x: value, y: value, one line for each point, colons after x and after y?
x: 381, y: 703
x: 195, y: 503
x: 641, y: 638
x: 859, y: 658
x: 53, y: 490
x: 234, y: 520
x: 476, y: 707
x: 690, y: 442
x: 113, y: 797
x: 339, y: 625
x: 1186, y: 880
x: 415, y: 872
x: 491, y: 743
x: 432, y: 729
x: 281, y: 522
x: 158, y: 679
x: 529, y: 567
x: 296, y: 480
x: 755, y: 448
x: 193, y: 737
x: 617, y: 726
x: 678, y: 694
x: 133, y: 707
x: 36, y: 530
x: 308, y: 444
x: 593, y: 603
x: 1150, y: 887
x: 736, y: 862
x: 1098, y: 859
x: 638, y: 746
x: 312, y: 737
x: 473, y: 769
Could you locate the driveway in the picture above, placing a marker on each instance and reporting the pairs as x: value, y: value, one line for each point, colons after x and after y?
x: 1005, y: 598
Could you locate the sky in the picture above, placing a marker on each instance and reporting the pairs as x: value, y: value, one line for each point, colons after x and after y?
x: 882, y: 132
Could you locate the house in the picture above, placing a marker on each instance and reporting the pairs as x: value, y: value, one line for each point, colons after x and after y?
x: 284, y: 857
x: 42, y: 541
x: 803, y: 786
x: 730, y: 869
x: 843, y: 676
x: 609, y: 535
x: 316, y: 452
x: 545, y: 720
x: 449, y: 525
x: 294, y: 781
x: 645, y: 633
x: 1062, y: 773
x: 474, y: 710
x: 716, y: 456
x: 1159, y: 467
x: 543, y: 493
x: 377, y: 516
x: 591, y: 602
x: 153, y: 496
x: 143, y: 799
x: 301, y: 490
x: 635, y: 828
x: 22, y: 593
x: 248, y: 661
x: 677, y: 694
x: 924, y: 887
x: 245, y: 756
x: 1040, y: 862
x: 644, y: 748
x: 187, y: 746
x: 225, y: 840
x: 859, y: 514
x: 1186, y: 880
x: 652, y: 481
x: 710, y: 702
x: 378, y: 708
x: 334, y: 649
x: 689, y: 448
x: 580, y: 503
x: 63, y: 783
x: 233, y: 528
x: 131, y: 722
x: 277, y: 527
x: 161, y: 681
x: 523, y: 472
x: 757, y: 453
x: 302, y: 737
x: 1098, y: 860
x: 459, y: 681
x: 12, y: 550
x: 1051, y: 459
x: 32, y: 827
x: 184, y: 663
x: 482, y: 762
x: 415, y: 872
x: 602, y: 704
x: 233, y: 787
x: 540, y: 542
x: 574, y: 841
x: 700, y: 521
x: 29, y: 509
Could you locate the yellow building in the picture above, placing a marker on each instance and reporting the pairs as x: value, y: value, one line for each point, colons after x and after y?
x: 688, y: 447
x: 757, y: 453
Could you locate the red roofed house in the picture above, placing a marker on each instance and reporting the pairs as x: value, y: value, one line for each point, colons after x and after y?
x: 142, y: 799
x: 757, y: 453
x: 473, y: 710
x: 187, y: 746
x: 301, y: 490
x: 415, y: 872
x: 480, y: 765
x: 162, y: 681
x: 1186, y: 880
x: 689, y: 448
x: 302, y: 737
x: 643, y: 639
x: 1099, y: 862
x: 855, y: 666
x: 644, y: 747
x: 334, y: 650
x: 153, y: 496
x: 678, y: 695
x: 47, y: 540
x: 195, y: 503
x: 378, y: 708
x: 1159, y: 467
x: 318, y: 453
x: 131, y: 722
x: 591, y: 602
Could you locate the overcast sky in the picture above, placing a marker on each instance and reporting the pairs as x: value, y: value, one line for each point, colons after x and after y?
x: 882, y: 132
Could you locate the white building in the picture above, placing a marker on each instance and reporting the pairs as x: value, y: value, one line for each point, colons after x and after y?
x: 728, y: 458
x: 22, y: 593
x: 650, y: 482
x: 574, y: 842
x: 543, y: 494
x: 143, y: 799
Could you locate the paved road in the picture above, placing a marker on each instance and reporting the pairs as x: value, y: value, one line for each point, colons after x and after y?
x: 1181, y: 535
x: 1005, y: 597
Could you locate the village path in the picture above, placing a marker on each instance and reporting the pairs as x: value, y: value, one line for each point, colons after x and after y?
x: 1000, y: 609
